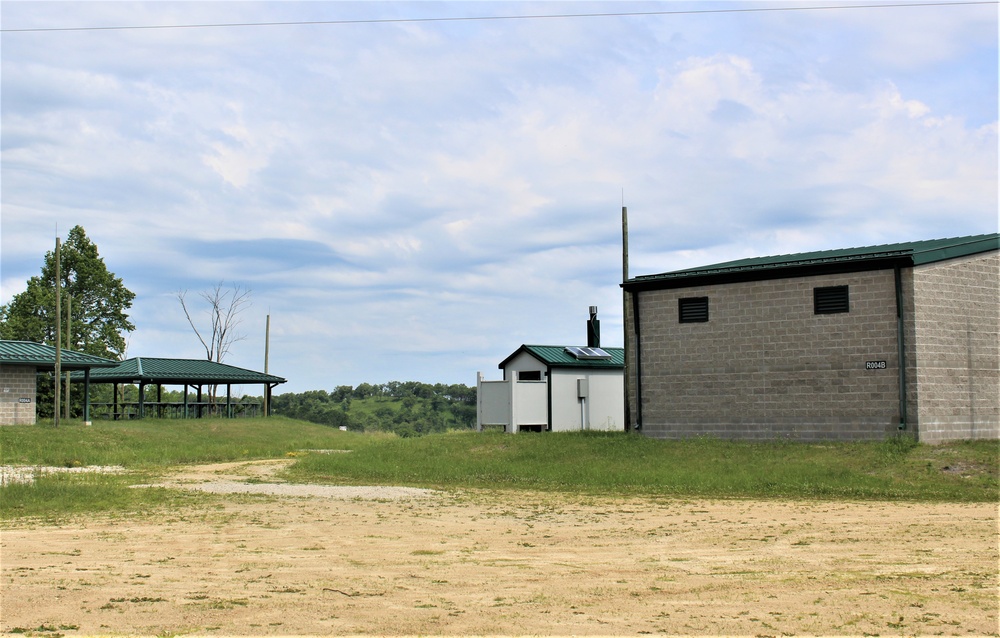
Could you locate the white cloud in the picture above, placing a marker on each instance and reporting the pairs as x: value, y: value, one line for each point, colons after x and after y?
x: 419, y: 198
x: 243, y: 154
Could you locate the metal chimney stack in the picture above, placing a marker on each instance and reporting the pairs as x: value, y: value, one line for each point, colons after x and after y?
x: 593, y: 329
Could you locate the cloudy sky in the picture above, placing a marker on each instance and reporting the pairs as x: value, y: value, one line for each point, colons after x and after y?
x: 412, y: 198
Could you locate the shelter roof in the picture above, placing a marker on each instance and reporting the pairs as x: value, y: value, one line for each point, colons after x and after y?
x: 558, y: 357
x: 41, y: 356
x: 179, y: 372
x: 913, y: 253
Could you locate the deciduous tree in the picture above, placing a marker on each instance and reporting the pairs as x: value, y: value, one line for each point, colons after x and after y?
x: 99, y: 319
x: 98, y: 322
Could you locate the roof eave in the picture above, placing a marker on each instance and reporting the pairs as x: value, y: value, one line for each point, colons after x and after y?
x: 599, y: 365
x: 165, y: 380
x: 690, y: 279
x: 523, y: 348
x: 64, y: 366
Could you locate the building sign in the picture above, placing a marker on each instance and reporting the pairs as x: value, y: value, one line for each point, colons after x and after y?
x: 24, y: 400
x: 875, y: 365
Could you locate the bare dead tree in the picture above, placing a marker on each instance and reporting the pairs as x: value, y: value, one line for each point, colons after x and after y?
x: 224, y: 307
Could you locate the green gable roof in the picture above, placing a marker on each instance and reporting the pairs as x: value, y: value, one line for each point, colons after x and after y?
x: 913, y: 253
x: 39, y: 355
x: 557, y: 357
x: 178, y: 372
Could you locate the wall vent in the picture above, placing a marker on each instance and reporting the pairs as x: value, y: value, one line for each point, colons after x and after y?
x: 828, y: 300
x: 692, y: 309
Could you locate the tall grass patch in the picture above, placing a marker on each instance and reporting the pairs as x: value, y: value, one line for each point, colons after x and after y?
x: 633, y: 465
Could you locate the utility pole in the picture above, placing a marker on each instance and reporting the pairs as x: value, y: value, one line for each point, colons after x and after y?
x: 69, y: 340
x: 625, y: 304
x: 58, y: 334
x: 267, y: 347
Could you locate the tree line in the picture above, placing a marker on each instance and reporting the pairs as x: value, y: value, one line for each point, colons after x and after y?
x: 406, y: 408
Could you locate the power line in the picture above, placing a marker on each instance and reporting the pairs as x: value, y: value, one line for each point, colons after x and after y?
x: 616, y: 14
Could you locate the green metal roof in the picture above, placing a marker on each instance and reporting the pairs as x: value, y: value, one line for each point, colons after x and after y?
x: 178, y: 372
x: 39, y: 355
x: 557, y: 357
x: 846, y: 259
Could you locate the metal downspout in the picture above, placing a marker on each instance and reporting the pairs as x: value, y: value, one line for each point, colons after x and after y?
x: 548, y: 391
x: 638, y: 361
x: 901, y: 347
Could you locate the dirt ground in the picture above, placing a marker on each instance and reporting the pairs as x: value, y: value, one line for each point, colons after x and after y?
x: 477, y: 563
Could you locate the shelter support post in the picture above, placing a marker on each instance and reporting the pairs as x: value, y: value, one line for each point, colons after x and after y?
x: 86, y: 395
x: 268, y: 389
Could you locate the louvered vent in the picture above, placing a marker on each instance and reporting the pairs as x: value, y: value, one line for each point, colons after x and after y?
x: 693, y: 309
x: 830, y: 300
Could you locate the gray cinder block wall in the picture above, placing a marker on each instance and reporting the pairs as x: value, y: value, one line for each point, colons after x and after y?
x: 956, y: 347
x: 17, y: 395
x: 765, y: 366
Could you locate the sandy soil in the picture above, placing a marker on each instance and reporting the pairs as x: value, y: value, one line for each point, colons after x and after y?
x: 417, y: 562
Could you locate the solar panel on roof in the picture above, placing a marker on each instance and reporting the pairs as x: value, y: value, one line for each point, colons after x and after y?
x: 587, y: 353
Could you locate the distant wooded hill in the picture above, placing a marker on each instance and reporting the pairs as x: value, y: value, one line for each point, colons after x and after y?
x: 407, y: 408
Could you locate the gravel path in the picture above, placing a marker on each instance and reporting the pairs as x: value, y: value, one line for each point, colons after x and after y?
x: 343, y: 492
x: 233, y: 478
x: 27, y: 473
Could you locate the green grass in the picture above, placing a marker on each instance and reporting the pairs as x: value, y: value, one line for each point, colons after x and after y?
x: 146, y: 449
x: 633, y: 465
x: 613, y: 464
x: 163, y: 442
x: 53, y: 497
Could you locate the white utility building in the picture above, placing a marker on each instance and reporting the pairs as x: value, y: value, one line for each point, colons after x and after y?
x: 557, y: 388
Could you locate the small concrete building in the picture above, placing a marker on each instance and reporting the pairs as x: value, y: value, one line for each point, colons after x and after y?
x: 20, y: 363
x: 556, y: 388
x: 850, y: 344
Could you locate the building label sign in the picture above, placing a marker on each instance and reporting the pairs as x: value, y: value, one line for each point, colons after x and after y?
x: 875, y: 365
x: 24, y: 400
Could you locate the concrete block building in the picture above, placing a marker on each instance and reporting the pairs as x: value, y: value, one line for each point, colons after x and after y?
x: 20, y: 363
x: 852, y: 344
